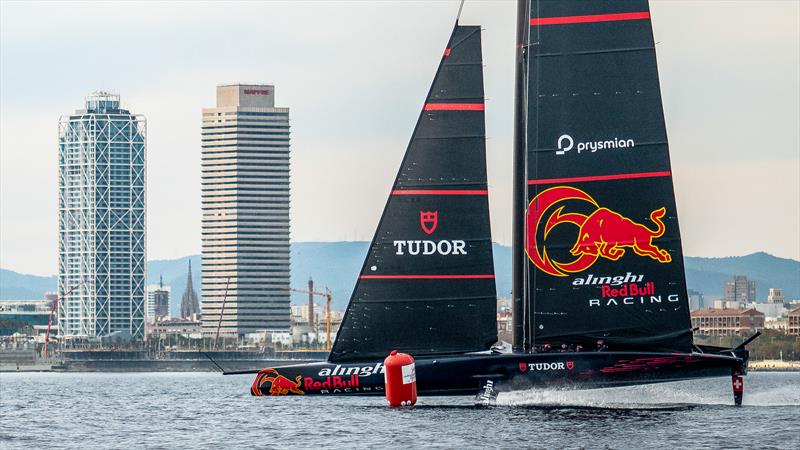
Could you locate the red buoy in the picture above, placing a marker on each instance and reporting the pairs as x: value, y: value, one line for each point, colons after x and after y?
x: 401, y: 379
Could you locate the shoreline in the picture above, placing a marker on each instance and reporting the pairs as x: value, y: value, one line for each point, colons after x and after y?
x: 773, y: 365
x: 151, y: 366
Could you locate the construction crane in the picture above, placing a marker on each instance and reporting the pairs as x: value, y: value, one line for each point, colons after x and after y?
x: 52, y: 310
x: 328, y: 299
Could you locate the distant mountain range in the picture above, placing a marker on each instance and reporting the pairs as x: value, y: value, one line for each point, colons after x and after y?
x: 17, y: 286
x: 336, y: 265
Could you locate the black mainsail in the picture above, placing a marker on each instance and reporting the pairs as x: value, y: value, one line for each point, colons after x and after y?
x: 598, y: 250
x: 427, y: 285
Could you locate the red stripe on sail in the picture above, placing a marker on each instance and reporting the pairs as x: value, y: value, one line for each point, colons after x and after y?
x: 440, y: 192
x: 447, y: 52
x: 621, y: 176
x: 589, y: 19
x: 454, y: 107
x: 426, y: 277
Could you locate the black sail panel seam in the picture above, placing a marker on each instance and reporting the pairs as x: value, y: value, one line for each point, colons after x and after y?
x: 463, y: 64
x: 454, y: 46
x: 596, y: 52
x: 429, y: 138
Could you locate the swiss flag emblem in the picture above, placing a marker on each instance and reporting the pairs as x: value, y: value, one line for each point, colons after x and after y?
x: 428, y: 220
x: 523, y: 367
x: 738, y: 384
x: 570, y: 365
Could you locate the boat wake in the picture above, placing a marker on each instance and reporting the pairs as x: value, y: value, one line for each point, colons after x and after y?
x: 679, y: 395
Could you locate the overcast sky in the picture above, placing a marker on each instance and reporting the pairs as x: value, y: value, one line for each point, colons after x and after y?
x: 355, y: 75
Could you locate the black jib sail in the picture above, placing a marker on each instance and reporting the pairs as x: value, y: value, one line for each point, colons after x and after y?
x: 599, y: 253
x: 427, y: 285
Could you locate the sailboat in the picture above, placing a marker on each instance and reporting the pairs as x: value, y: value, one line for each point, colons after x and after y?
x: 599, y: 291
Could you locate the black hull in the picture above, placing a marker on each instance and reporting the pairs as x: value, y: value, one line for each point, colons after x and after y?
x: 468, y: 374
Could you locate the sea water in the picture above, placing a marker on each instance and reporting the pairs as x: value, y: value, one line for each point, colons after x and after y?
x: 206, y: 410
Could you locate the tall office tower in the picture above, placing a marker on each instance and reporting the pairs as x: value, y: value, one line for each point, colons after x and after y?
x: 740, y: 289
x: 101, y: 205
x: 245, y: 184
x: 157, y: 302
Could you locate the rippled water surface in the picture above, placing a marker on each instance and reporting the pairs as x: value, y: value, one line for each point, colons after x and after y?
x: 199, y: 410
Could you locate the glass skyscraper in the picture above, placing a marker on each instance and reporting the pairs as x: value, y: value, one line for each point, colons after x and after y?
x: 101, y: 207
x: 245, y: 185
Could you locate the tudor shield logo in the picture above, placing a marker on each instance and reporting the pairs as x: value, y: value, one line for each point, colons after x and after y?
x: 523, y: 366
x: 428, y: 220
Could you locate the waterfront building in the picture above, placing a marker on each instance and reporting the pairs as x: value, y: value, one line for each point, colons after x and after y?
x: 26, y: 305
x: 505, y: 326
x: 696, y: 300
x: 165, y: 329
x: 727, y: 322
x: 101, y: 206
x: 793, y: 322
x: 26, y: 317
x: 14, y: 319
x: 51, y: 297
x: 157, y: 302
x: 300, y: 314
x: 724, y: 304
x: 190, y: 307
x: 776, y: 296
x: 740, y: 289
x: 245, y: 202
x: 780, y: 325
x: 770, y: 310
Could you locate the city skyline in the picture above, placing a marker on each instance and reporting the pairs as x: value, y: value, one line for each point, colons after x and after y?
x: 355, y: 91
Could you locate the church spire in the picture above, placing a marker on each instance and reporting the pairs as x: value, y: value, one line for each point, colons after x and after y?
x: 189, y: 304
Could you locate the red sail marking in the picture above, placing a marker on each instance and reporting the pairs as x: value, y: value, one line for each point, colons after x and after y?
x: 447, y: 51
x: 621, y: 176
x: 589, y: 19
x: 425, y: 277
x: 454, y: 107
x: 440, y: 192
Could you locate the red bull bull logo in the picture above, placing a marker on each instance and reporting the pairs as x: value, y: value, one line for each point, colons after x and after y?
x: 270, y: 381
x: 602, y: 233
